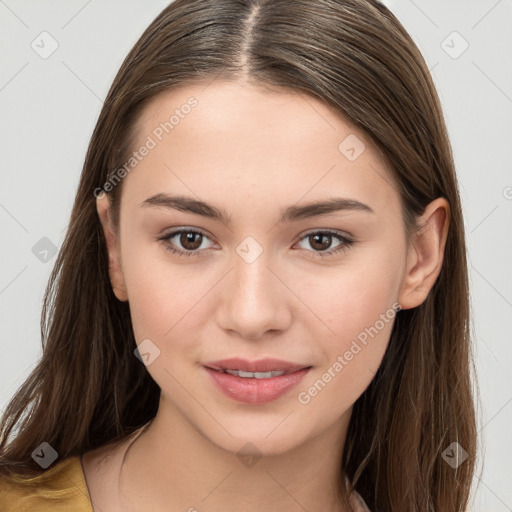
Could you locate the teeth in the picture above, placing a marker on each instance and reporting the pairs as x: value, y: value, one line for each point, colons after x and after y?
x: 255, y: 375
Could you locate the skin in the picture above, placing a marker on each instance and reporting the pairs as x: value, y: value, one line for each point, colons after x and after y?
x: 252, y: 153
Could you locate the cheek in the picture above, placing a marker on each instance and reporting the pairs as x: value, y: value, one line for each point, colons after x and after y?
x: 358, y: 304
x: 352, y: 297
x: 169, y: 305
x: 362, y: 320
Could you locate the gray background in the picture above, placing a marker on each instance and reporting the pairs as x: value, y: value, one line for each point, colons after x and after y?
x: 49, y: 107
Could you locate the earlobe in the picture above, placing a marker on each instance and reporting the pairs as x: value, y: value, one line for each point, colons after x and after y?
x: 425, y: 254
x: 114, y: 261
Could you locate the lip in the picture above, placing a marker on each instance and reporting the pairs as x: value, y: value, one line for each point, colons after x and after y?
x: 261, y: 365
x: 251, y: 390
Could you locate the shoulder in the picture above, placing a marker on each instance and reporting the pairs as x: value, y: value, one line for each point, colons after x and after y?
x: 62, y: 487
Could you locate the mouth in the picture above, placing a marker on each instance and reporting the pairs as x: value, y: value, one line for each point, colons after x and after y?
x: 255, y: 382
x: 261, y: 369
x: 254, y: 375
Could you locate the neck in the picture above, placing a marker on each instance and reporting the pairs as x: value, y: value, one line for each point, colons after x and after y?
x: 173, y: 466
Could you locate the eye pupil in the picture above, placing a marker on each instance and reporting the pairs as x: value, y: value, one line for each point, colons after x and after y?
x: 322, y: 237
x: 187, y: 238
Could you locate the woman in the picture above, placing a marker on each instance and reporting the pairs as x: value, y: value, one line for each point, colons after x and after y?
x: 262, y: 299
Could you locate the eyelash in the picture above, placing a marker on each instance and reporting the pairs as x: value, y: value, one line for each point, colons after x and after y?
x: 346, y: 242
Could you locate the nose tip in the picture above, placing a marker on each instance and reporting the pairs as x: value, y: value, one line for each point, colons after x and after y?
x: 254, y: 299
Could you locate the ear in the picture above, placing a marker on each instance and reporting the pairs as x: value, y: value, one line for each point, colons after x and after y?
x: 114, y: 260
x: 425, y: 254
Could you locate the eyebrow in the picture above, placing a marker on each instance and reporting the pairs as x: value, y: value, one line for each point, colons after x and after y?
x: 290, y: 214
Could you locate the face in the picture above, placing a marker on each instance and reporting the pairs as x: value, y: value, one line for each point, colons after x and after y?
x: 270, y: 276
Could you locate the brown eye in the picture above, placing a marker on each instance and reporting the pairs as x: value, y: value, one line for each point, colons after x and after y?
x: 320, y: 241
x: 184, y: 242
x: 190, y: 240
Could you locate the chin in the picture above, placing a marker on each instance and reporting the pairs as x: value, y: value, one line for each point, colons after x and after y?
x: 258, y: 441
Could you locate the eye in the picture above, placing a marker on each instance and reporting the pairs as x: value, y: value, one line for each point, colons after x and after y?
x: 190, y: 239
x: 321, y: 240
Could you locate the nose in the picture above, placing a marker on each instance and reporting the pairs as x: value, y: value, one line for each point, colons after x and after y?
x: 255, y: 299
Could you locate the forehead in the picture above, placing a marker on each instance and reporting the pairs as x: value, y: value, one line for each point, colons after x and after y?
x: 277, y: 117
x: 205, y: 137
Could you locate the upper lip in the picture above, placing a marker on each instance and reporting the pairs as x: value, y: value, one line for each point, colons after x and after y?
x: 261, y: 365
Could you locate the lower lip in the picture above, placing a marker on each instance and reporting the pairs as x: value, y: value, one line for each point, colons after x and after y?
x: 256, y: 391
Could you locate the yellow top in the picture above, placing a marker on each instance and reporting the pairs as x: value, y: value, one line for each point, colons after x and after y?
x: 63, y: 488
x: 60, y: 488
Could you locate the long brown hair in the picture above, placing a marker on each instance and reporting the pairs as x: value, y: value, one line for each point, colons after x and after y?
x: 88, y: 389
